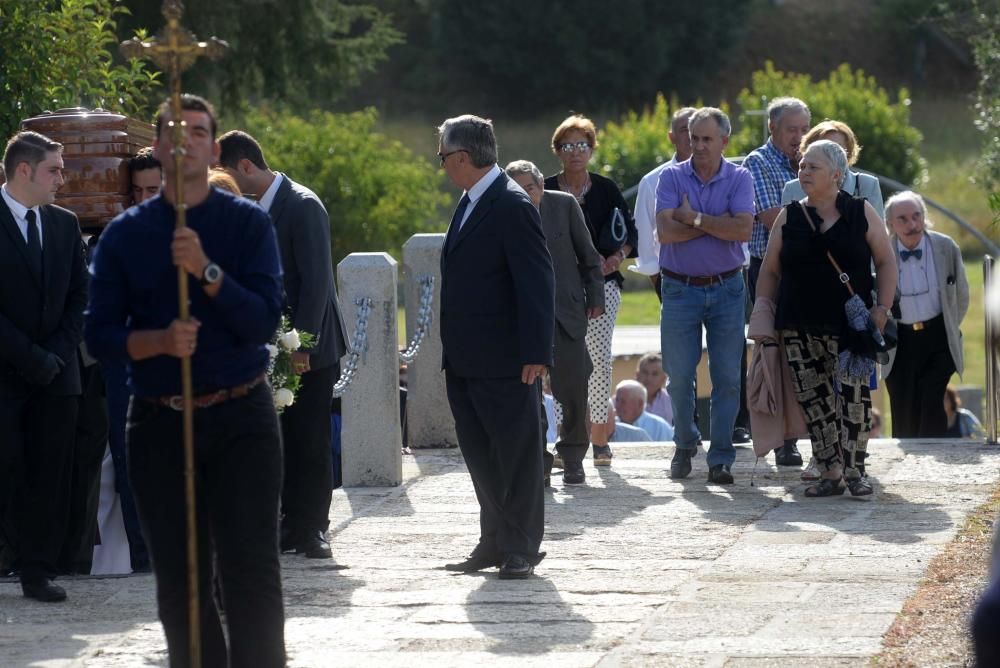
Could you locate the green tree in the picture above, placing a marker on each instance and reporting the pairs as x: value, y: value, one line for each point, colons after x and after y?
x: 891, y: 144
x: 61, y: 53
x: 303, y: 53
x: 376, y: 191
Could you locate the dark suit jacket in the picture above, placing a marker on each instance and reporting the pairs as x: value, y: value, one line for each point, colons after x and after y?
x: 497, y: 288
x: 575, y: 261
x: 41, y: 314
x: 303, y: 230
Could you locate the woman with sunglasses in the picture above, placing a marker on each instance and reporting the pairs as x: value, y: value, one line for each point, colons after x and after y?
x: 612, y: 230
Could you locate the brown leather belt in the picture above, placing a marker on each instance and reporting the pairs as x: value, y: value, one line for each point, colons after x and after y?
x: 176, y: 401
x: 700, y: 281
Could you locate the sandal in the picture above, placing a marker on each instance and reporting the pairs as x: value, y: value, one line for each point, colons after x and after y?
x: 602, y: 455
x: 827, y: 487
x: 860, y: 486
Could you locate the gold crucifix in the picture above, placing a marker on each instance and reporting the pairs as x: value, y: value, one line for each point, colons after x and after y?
x: 173, y: 50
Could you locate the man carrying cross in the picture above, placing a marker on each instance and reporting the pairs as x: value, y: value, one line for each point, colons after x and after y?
x: 229, y: 252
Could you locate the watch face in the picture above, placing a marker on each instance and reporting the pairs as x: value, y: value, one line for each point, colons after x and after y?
x: 212, y: 273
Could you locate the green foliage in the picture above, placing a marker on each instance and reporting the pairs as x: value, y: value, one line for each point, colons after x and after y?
x: 376, y: 191
x: 986, y: 48
x: 303, y: 53
x: 626, y: 150
x: 891, y: 144
x: 60, y: 53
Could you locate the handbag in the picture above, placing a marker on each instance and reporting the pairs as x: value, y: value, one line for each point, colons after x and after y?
x: 613, y: 235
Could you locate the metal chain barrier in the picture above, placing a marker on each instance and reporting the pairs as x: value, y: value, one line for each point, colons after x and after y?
x: 359, y: 346
x: 425, y: 316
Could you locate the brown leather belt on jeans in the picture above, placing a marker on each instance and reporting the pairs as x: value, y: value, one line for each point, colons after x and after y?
x: 700, y: 281
x: 176, y: 401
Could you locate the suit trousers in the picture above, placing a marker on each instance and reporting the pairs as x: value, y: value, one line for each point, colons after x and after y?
x: 920, y: 373
x: 238, y: 483
x: 498, y: 423
x: 305, y: 430
x: 36, y: 460
x: 85, y: 485
x: 569, y: 374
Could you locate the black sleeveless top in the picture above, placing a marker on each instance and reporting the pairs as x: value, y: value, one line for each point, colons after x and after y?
x: 811, y: 297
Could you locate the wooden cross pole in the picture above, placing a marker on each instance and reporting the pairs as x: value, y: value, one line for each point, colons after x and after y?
x: 173, y: 50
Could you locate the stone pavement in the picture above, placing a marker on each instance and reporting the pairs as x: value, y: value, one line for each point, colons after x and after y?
x: 642, y: 571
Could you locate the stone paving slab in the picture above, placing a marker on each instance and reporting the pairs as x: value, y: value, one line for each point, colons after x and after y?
x: 642, y: 571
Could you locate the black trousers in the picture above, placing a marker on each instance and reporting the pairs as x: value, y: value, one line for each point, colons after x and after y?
x: 570, y: 373
x: 77, y: 553
x: 498, y: 424
x: 920, y: 373
x: 305, y: 430
x: 238, y: 482
x: 36, y: 458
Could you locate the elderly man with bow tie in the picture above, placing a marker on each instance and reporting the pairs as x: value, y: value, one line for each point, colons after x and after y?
x: 934, y: 298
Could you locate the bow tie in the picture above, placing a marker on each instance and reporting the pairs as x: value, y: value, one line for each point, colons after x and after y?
x: 906, y: 255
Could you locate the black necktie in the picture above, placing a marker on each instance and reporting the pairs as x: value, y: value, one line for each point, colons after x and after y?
x: 906, y: 255
x: 456, y: 220
x: 34, y: 244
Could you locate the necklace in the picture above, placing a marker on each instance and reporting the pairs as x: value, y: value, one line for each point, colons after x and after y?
x: 567, y: 188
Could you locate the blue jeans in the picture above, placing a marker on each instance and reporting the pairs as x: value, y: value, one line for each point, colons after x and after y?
x: 720, y: 309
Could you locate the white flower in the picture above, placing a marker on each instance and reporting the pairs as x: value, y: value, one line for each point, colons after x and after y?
x: 284, y: 398
x: 272, y: 350
x: 290, y: 340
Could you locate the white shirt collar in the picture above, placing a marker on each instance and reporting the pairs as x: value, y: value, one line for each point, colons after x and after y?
x: 483, y: 184
x: 267, y: 199
x: 19, y: 210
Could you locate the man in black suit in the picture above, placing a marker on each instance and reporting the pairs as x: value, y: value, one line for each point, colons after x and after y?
x: 497, y: 321
x: 303, y: 229
x: 42, y: 297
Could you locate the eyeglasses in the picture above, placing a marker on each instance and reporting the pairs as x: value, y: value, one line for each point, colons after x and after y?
x: 444, y: 156
x: 575, y: 147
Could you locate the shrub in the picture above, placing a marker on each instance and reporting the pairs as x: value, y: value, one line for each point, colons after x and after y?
x: 891, y: 145
x: 376, y: 191
x: 60, y: 54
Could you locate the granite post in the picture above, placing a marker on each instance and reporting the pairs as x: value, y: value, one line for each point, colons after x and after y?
x: 371, y: 440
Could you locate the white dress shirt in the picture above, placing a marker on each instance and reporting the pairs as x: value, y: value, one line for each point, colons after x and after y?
x: 267, y: 199
x: 648, y: 262
x: 919, y: 299
x: 476, y: 191
x: 20, y: 213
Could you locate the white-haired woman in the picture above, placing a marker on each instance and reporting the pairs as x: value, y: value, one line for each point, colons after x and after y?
x: 798, y: 280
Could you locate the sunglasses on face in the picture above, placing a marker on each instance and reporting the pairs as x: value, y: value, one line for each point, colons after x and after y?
x: 575, y: 147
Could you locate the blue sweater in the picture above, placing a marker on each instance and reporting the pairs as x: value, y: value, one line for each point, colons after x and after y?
x: 133, y: 286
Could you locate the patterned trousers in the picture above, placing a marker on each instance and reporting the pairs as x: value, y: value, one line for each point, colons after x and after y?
x: 838, y: 414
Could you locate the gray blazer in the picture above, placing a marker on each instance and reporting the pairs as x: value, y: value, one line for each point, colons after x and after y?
x: 953, y: 286
x: 303, y: 230
x: 575, y: 262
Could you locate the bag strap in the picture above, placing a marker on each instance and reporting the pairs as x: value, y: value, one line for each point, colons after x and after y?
x: 841, y: 274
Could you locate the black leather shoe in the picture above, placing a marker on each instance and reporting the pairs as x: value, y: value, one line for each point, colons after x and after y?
x: 43, y: 590
x: 516, y: 567
x: 741, y: 436
x: 475, y: 562
x: 573, y: 474
x: 314, y: 546
x: 788, y: 455
x: 288, y: 539
x: 720, y: 475
x: 680, y: 465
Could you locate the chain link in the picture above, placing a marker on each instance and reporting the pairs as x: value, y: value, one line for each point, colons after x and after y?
x: 425, y: 316
x: 359, y: 346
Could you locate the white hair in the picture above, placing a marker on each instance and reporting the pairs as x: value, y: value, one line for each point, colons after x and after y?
x: 834, y: 154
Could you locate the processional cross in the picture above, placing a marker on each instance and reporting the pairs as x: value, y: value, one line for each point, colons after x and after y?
x: 173, y: 50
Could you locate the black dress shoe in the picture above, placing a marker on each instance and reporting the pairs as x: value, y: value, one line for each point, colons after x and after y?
x: 475, y: 562
x: 288, y: 539
x: 516, y: 567
x: 680, y: 465
x: 314, y: 545
x: 741, y: 436
x: 573, y: 474
x: 720, y: 475
x: 43, y: 590
x: 788, y: 455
